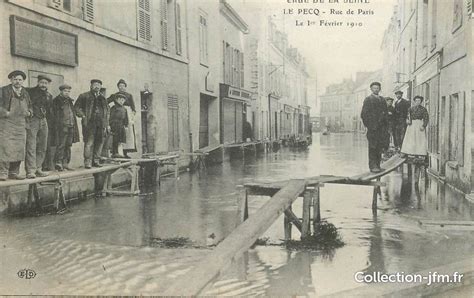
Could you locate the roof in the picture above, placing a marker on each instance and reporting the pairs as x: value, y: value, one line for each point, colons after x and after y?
x: 234, y: 17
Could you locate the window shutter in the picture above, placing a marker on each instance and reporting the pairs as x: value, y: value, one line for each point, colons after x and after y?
x: 242, y: 70
x: 144, y: 20
x: 179, y: 45
x: 56, y: 4
x: 164, y: 24
x: 173, y: 123
x: 88, y: 10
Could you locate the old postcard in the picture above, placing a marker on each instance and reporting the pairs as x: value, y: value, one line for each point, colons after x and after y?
x: 237, y: 148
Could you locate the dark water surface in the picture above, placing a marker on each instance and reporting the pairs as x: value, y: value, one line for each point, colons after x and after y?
x: 106, y: 246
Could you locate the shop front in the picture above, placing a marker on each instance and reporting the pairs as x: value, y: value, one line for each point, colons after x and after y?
x: 234, y: 102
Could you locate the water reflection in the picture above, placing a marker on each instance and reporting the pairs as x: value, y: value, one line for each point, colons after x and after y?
x: 202, y: 204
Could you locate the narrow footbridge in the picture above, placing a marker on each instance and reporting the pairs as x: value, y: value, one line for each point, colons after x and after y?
x: 283, y: 194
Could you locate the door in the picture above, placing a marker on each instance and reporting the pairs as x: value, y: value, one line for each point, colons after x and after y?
x: 173, y: 128
x: 228, y: 113
x: 204, y: 122
x: 276, y: 125
x: 145, y: 100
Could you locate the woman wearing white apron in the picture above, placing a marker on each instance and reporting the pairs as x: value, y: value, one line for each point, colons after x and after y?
x: 415, y: 142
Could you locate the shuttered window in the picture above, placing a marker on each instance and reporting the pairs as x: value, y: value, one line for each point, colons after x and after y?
x: 242, y: 70
x: 203, y: 39
x: 144, y: 20
x: 88, y: 10
x: 173, y: 127
x: 164, y: 24
x: 179, y: 45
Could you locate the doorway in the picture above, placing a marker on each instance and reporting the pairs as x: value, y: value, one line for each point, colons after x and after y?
x: 203, y: 121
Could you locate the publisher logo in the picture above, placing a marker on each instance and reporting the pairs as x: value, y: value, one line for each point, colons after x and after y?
x: 26, y: 274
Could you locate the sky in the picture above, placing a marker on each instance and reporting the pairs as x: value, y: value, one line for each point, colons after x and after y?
x: 332, y: 52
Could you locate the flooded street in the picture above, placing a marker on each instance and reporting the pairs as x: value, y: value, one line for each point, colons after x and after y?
x: 106, y: 246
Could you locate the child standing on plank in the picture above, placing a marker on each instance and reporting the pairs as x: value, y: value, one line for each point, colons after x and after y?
x: 118, y: 123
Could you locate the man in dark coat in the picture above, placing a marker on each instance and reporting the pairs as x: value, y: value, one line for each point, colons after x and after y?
x: 92, y: 107
x: 401, y: 107
x: 374, y: 116
x: 64, y: 131
x: 15, y: 108
x: 37, y: 129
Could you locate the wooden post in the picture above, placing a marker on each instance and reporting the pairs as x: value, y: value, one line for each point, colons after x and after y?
x: 176, y: 168
x: 158, y: 172
x: 134, y: 187
x: 287, y: 226
x: 316, y: 208
x: 306, y: 230
x: 242, y: 205
x: 374, y: 201
x: 107, y: 184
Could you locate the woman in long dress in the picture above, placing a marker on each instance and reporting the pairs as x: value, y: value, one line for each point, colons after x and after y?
x: 415, y: 143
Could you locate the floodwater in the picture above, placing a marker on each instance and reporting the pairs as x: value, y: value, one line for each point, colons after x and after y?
x: 105, y: 246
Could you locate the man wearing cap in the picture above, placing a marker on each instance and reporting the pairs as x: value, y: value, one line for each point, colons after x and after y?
x: 64, y: 131
x: 92, y: 107
x: 129, y: 104
x: 374, y: 116
x: 37, y: 128
x: 401, y: 114
x: 15, y: 108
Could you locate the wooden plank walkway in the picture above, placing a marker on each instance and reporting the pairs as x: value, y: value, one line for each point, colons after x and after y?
x: 102, y: 178
x: 239, y: 241
x: 283, y: 194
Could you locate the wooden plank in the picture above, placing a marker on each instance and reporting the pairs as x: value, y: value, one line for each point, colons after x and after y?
x: 447, y: 222
x: 55, y: 176
x: 239, y: 241
x: 123, y: 192
x: 390, y: 165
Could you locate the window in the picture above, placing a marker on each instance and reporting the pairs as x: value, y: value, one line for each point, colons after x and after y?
x: 242, y: 70
x: 229, y: 70
x: 425, y: 28
x: 456, y: 128
x: 164, y: 24
x: 203, y: 36
x: 434, y: 17
x: 173, y: 124
x: 178, y: 29
x: 457, y: 15
x: 144, y: 20
x: 67, y: 5
x: 88, y: 10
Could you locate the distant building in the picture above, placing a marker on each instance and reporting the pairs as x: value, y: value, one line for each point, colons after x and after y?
x: 278, y: 78
x: 337, y: 106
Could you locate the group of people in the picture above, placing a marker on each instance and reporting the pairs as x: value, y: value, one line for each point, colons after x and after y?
x: 32, y: 122
x: 399, y: 120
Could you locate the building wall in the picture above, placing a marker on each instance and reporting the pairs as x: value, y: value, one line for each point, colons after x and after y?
x: 108, y: 56
x: 200, y: 72
x: 441, y: 32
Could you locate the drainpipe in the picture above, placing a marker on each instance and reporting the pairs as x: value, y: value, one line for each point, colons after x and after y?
x: 269, y: 117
